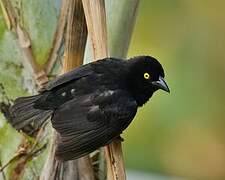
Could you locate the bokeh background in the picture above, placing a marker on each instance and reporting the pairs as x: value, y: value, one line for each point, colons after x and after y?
x: 182, y: 133
x: 178, y: 134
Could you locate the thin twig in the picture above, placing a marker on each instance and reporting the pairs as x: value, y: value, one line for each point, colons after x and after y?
x: 8, y: 14
x: 23, y: 153
x: 19, y: 169
x: 2, y: 172
x: 58, y: 37
x: 19, y: 154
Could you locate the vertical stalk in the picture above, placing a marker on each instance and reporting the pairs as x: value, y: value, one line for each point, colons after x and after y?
x: 120, y: 27
x: 121, y: 16
x: 96, y: 22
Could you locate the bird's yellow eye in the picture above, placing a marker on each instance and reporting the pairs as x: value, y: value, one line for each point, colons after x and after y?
x: 146, y: 76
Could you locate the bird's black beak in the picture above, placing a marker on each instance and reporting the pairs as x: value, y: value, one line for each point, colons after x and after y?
x: 161, y: 84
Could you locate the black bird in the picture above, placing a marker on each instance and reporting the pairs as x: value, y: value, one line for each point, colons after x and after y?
x: 91, y: 106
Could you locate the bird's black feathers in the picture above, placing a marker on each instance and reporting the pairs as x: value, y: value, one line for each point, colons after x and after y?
x: 70, y: 76
x: 101, y: 66
x: 23, y: 113
x: 96, y: 120
x: 92, y: 104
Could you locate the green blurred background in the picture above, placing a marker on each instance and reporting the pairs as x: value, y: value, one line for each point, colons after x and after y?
x: 181, y: 133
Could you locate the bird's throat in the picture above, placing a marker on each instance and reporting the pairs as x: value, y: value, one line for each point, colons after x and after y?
x: 142, y: 98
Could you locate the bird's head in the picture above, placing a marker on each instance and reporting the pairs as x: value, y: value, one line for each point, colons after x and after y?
x: 145, y: 76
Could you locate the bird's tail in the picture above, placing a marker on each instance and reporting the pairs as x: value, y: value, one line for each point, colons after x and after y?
x: 23, y: 116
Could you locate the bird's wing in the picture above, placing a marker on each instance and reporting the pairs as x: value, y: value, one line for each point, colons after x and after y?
x: 75, y: 74
x: 99, y: 66
x: 92, y: 121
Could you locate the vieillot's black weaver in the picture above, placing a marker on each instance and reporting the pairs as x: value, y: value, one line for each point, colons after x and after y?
x: 91, y: 106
